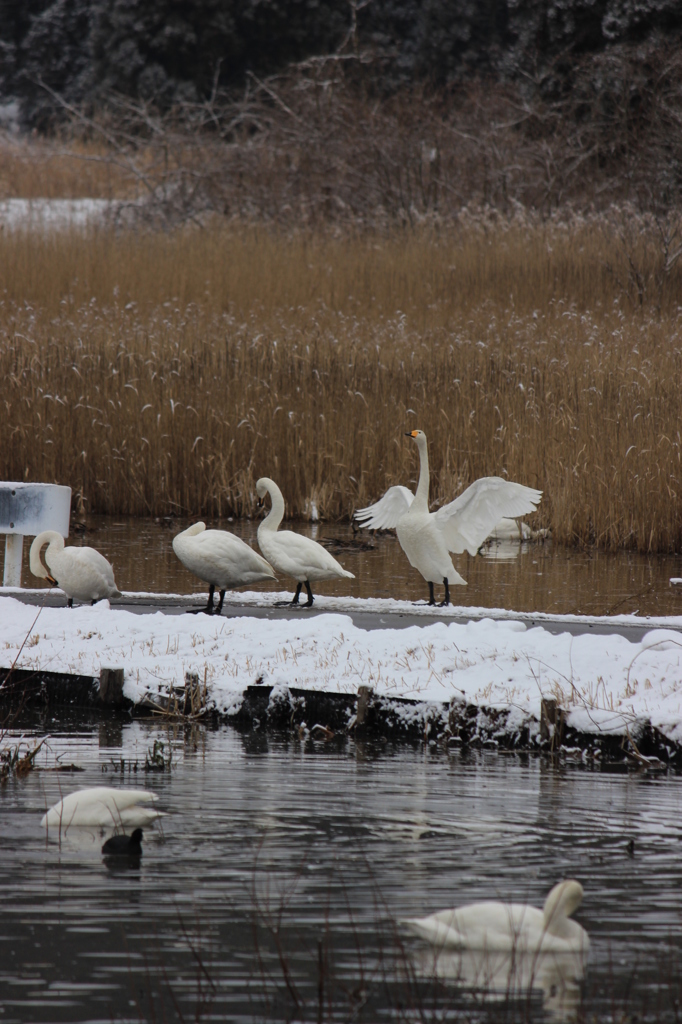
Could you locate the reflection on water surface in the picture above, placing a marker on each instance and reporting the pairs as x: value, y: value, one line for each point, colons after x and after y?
x: 271, y: 890
x: 527, y: 577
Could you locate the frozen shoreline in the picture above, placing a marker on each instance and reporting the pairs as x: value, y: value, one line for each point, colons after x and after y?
x: 605, y: 683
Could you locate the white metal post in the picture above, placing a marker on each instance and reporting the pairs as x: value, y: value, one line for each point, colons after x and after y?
x: 14, y: 545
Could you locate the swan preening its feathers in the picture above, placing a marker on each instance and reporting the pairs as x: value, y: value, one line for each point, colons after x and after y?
x: 290, y: 553
x: 510, y: 927
x: 221, y: 560
x: 427, y: 538
x: 82, y: 573
x: 103, y: 807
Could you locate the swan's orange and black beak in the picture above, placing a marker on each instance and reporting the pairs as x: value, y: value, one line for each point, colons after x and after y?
x: 411, y: 433
x: 51, y: 580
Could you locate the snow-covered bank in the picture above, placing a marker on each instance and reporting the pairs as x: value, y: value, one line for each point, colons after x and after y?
x: 605, y: 683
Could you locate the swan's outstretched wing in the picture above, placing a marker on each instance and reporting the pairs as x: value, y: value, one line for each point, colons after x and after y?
x: 386, y: 513
x: 469, y: 519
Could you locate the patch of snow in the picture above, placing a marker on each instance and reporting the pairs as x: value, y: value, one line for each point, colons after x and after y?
x: 10, y: 116
x: 606, y: 682
x: 53, y: 214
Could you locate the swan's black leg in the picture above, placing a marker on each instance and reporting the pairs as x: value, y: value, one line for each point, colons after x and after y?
x: 209, y: 606
x: 446, y: 599
x: 69, y: 603
x: 432, y: 598
x: 309, y: 602
x: 296, y: 596
x: 220, y: 603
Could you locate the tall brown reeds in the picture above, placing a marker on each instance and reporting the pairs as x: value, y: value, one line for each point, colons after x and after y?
x: 66, y: 168
x: 163, y: 372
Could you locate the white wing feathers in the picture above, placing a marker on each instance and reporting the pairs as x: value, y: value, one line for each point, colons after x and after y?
x: 466, y: 522
x: 386, y: 513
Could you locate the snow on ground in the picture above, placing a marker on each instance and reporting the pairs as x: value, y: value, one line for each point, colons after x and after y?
x: 607, y: 681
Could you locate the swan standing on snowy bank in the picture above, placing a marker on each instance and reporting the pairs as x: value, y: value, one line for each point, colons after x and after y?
x: 82, y: 573
x: 289, y: 552
x: 510, y: 927
x: 428, y: 537
x: 221, y: 560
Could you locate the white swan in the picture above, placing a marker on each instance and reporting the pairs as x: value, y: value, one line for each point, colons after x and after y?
x: 82, y: 573
x: 103, y: 807
x: 428, y: 537
x: 221, y: 560
x: 289, y: 552
x: 504, y: 927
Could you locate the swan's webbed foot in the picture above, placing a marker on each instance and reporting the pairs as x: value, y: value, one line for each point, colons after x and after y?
x: 432, y: 597
x: 309, y: 602
x: 446, y: 599
x: 296, y: 596
x: 220, y: 603
x: 209, y: 607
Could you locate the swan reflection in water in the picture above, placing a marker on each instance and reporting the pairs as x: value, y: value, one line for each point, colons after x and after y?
x: 494, y: 976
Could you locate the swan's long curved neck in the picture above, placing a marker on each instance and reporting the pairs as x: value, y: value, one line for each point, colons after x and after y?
x: 421, y: 498
x: 276, y: 513
x: 560, y: 904
x: 54, y: 540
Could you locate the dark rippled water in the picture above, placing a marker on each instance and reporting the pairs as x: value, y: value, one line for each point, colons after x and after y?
x: 272, y: 888
x: 538, y: 577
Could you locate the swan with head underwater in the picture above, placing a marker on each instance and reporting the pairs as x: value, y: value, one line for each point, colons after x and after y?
x: 221, y: 560
x: 290, y: 553
x: 103, y: 807
x: 427, y: 538
x: 510, y: 927
x: 82, y: 573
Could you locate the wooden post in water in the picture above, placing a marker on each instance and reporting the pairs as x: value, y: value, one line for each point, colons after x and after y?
x: 365, y: 694
x: 193, y: 700
x: 111, y: 685
x: 551, y: 721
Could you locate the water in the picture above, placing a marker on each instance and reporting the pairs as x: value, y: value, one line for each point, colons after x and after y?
x: 522, y: 577
x: 271, y: 890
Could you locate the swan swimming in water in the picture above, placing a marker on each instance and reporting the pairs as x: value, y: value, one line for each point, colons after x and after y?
x: 82, y: 573
x: 507, y: 927
x: 289, y: 552
x: 103, y: 807
x: 221, y: 560
x: 427, y: 538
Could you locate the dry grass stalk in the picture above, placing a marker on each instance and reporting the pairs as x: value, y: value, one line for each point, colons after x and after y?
x: 164, y: 373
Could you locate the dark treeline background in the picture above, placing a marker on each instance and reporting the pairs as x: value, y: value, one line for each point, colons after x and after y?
x: 174, y: 51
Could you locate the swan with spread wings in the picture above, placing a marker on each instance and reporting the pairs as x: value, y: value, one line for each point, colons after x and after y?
x: 427, y: 538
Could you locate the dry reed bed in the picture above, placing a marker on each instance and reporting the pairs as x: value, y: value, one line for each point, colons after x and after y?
x: 164, y: 373
x: 38, y: 168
